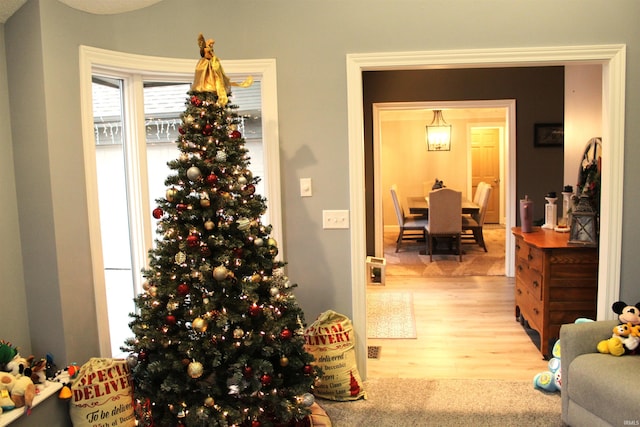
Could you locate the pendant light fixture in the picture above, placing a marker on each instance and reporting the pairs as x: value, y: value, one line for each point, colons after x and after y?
x: 438, y: 136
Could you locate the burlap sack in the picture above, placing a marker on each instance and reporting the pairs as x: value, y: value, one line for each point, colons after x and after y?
x: 102, y: 395
x: 331, y: 340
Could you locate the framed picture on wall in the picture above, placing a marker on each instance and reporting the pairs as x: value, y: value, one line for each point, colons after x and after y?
x: 548, y: 135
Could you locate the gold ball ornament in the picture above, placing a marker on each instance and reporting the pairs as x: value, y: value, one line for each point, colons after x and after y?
x: 209, y: 225
x: 199, y: 324
x: 171, y: 194
x: 205, y: 201
x: 209, y: 401
x: 258, y: 242
x: 238, y: 333
x: 195, y: 369
x: 220, y: 272
x: 284, y: 361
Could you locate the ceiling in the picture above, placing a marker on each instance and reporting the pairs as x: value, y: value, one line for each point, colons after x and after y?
x: 98, y: 7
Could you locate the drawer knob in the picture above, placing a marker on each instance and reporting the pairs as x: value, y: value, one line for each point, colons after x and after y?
x: 535, y: 284
x: 530, y: 257
x: 535, y: 310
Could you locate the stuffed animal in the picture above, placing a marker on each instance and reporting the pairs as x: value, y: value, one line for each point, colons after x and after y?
x: 7, y: 383
x: 550, y: 380
x: 7, y: 353
x: 625, y: 338
x: 23, y: 392
x: 18, y: 364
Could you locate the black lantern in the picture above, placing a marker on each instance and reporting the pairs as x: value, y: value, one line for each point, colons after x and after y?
x: 584, y: 227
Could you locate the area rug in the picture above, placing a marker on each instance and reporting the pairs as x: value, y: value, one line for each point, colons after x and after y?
x: 475, y: 261
x: 393, y: 402
x: 390, y: 315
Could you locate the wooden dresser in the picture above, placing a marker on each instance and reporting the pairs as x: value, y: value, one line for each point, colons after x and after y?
x: 556, y: 283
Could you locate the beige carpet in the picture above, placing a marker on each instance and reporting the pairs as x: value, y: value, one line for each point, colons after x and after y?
x: 475, y: 261
x: 390, y: 315
x: 395, y: 402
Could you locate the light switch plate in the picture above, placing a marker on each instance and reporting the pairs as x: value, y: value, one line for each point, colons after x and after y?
x: 335, y: 219
x: 305, y: 187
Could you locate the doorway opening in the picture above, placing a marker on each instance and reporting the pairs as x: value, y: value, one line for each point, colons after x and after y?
x: 398, y: 133
x: 610, y: 57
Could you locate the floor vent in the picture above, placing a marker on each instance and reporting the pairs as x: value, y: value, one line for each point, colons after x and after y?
x: 373, y: 352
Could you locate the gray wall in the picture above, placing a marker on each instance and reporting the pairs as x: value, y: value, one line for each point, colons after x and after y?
x: 539, y: 95
x: 12, y: 290
x: 309, y: 40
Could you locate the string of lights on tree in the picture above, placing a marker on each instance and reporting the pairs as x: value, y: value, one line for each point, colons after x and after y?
x: 218, y: 333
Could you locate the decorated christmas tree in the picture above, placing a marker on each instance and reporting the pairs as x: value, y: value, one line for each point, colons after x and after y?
x: 218, y: 333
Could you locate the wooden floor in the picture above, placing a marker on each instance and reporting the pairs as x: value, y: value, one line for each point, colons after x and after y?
x: 466, y: 328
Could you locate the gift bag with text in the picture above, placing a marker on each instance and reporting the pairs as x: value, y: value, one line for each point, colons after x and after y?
x: 331, y: 340
x: 102, y: 395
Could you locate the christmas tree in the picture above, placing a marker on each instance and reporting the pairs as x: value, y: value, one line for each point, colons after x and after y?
x: 218, y: 333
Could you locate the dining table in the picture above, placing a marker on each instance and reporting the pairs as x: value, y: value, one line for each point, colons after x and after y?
x: 419, y: 205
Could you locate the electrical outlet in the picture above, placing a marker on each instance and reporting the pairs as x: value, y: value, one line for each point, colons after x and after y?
x: 335, y: 219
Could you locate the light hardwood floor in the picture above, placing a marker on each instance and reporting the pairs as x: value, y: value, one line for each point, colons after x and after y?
x: 466, y: 328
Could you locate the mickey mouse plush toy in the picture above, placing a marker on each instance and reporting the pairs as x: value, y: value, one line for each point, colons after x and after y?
x: 626, y: 335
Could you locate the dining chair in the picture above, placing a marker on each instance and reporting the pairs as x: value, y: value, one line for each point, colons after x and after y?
x: 479, y: 188
x: 413, y: 226
x: 445, y: 218
x: 472, y: 225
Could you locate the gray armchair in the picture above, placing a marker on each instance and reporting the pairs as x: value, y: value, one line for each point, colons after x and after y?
x: 597, y: 389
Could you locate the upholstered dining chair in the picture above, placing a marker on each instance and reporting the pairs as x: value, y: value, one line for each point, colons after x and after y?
x: 445, y: 218
x: 479, y: 188
x: 411, y: 227
x: 472, y: 225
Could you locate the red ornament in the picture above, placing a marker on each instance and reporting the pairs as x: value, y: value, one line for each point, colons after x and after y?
x: 250, y: 189
x: 255, y: 310
x: 196, y: 101
x: 182, y: 207
x: 205, y: 251
x: 212, y: 179
x: 143, y: 356
x: 183, y: 289
x: 193, y: 240
x: 157, y: 213
x: 247, y: 371
x: 307, y: 369
x: 237, y: 252
x: 265, y: 379
x: 208, y: 129
x: 170, y: 319
x: 235, y: 134
x: 181, y: 131
x: 286, y: 334
x: 255, y: 423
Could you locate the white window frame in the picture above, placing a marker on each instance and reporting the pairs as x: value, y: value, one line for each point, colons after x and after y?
x: 106, y: 62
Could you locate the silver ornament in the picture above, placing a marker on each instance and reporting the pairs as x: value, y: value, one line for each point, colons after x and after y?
x: 221, y: 156
x: 193, y: 173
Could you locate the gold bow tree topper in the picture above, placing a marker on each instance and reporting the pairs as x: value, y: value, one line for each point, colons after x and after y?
x: 210, y: 76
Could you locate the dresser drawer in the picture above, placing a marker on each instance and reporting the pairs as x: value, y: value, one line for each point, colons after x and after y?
x: 530, y: 309
x: 529, y: 255
x: 530, y: 279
